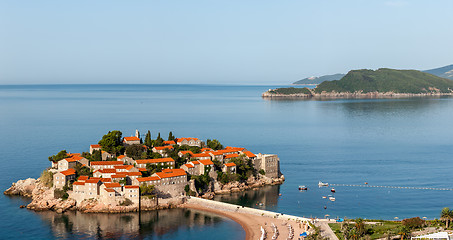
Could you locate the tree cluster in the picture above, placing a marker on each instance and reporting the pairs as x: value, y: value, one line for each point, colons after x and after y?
x: 59, y: 156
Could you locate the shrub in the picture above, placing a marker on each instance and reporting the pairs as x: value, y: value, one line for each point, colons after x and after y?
x: 126, y: 202
x: 412, y: 223
x: 47, y: 178
x: 59, y: 193
x: 262, y: 172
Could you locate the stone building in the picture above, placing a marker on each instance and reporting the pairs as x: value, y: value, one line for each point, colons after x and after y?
x: 131, y: 140
x: 61, y: 178
x: 270, y: 163
x: 189, y: 141
x: 158, y: 161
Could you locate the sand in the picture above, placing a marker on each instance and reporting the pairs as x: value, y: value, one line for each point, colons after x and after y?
x: 252, y: 223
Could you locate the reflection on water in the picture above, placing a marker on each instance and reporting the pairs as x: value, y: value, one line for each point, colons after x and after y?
x: 162, y: 224
x: 267, y: 195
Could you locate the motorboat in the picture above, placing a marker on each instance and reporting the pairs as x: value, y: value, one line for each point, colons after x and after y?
x: 332, y: 190
x: 321, y: 184
x: 332, y: 199
x: 324, y: 197
x: 303, y: 188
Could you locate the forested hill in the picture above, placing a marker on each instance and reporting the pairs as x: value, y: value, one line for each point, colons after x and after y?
x: 387, y: 80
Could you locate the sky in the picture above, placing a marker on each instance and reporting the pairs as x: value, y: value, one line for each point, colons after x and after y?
x: 217, y: 42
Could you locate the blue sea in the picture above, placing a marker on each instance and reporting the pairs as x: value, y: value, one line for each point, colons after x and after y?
x: 384, y: 142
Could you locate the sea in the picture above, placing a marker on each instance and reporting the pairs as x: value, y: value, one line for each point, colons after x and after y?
x: 386, y: 158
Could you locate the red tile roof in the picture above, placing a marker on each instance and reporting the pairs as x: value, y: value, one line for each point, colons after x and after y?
x: 109, y: 190
x: 131, y: 186
x: 249, y: 154
x: 235, y: 149
x: 188, y: 139
x: 230, y: 164
x: 188, y: 165
x: 146, y: 179
x: 163, y: 147
x: 95, y: 146
x: 200, y: 155
x: 206, y: 149
x: 234, y: 155
x: 74, y: 154
x: 158, y: 160
x: 112, y: 185
x: 122, y: 166
x: 168, y: 173
x: 206, y: 162
x: 104, y: 180
x: 142, y: 169
x: 68, y: 172
x: 121, y: 157
x: 78, y: 183
x: 92, y: 180
x: 83, y: 178
x: 119, y: 175
x: 216, y: 153
x: 131, y: 138
x: 107, y: 170
x: 107, y: 163
x: 169, y: 142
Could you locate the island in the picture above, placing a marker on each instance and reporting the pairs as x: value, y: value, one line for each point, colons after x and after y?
x: 128, y: 174
x: 364, y: 83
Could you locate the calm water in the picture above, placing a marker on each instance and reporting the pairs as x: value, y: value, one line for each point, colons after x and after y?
x: 404, y: 142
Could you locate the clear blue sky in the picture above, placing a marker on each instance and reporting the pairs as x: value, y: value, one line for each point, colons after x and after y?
x: 220, y: 42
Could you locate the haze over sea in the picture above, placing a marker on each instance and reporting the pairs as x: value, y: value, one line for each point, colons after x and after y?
x: 392, y: 142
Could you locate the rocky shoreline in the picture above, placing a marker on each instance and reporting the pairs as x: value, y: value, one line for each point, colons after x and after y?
x: 43, y: 197
x: 354, y: 95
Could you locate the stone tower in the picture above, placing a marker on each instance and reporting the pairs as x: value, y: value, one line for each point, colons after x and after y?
x: 137, y: 133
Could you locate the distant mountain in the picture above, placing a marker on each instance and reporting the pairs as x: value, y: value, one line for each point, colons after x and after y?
x: 387, y: 80
x: 444, y: 72
x: 318, y: 80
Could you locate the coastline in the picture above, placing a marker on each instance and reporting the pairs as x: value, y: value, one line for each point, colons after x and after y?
x: 238, y: 218
x: 354, y: 95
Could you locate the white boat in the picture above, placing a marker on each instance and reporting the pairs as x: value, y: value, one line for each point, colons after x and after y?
x: 332, y: 199
x: 321, y: 184
x: 303, y: 188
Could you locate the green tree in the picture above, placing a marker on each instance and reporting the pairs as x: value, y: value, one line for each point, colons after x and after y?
x: 446, y: 215
x: 171, y: 137
x: 147, y: 190
x: 244, y: 167
x: 135, y: 151
x: 415, y: 222
x: 111, y: 142
x: 159, y: 141
x: 154, y: 155
x: 148, y: 141
x: 59, y: 156
x: 83, y: 171
x: 404, y: 232
x: 214, y: 144
x: 154, y: 168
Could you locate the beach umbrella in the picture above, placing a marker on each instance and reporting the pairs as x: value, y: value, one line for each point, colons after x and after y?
x: 304, y: 234
x: 327, y: 215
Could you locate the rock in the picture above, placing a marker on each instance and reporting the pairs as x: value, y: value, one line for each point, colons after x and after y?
x: 22, y: 206
x: 22, y: 188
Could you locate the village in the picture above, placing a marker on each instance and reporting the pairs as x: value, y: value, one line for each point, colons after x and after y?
x: 122, y: 179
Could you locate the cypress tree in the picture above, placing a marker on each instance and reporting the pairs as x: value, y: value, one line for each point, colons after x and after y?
x: 148, y: 141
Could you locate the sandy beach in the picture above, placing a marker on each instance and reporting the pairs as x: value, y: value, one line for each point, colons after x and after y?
x: 252, y: 224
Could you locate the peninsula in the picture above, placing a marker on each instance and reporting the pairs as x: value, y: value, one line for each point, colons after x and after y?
x: 127, y: 174
x: 381, y: 83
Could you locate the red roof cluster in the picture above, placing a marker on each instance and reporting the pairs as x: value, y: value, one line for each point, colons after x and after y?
x: 133, y: 138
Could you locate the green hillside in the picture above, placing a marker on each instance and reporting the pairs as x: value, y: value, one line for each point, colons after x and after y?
x: 387, y: 80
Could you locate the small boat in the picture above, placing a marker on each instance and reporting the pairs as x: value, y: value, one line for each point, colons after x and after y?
x: 332, y: 199
x: 321, y: 184
x: 324, y: 197
x: 303, y: 188
x: 279, y: 194
x: 366, y: 183
x: 325, y: 207
x: 332, y: 190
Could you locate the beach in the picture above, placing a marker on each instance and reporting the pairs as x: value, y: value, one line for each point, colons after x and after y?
x: 252, y: 223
